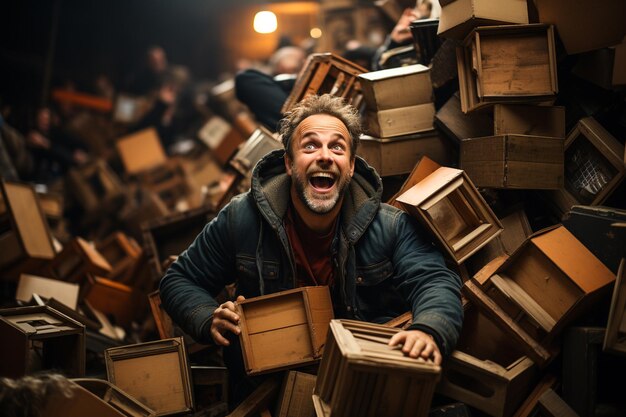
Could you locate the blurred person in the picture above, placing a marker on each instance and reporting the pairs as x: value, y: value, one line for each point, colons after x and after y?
x: 150, y: 77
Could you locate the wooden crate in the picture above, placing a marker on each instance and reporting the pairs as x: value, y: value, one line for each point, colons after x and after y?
x: 459, y: 17
x: 167, y: 181
x: 594, y: 166
x: 528, y: 407
x: 523, y: 119
x: 141, y: 151
x: 327, y: 73
x: 261, y: 142
x: 487, y: 370
x: 615, y: 337
x: 423, y: 168
x: 97, y: 188
x: 361, y: 375
x: 77, y: 259
x: 459, y: 126
x: 210, y: 387
x: 172, y: 234
x: 551, y: 280
x: 450, y: 206
x: 221, y: 138
x: 112, y: 298
x: 507, y: 64
x: 25, y: 238
x: 399, y: 155
x: 285, y: 329
x: 82, y: 403
x: 295, y: 398
x: 155, y: 373
x: 40, y: 338
x: 122, y: 252
x: 514, y: 161
x: 64, y: 292
x: 396, y: 87
x: 115, y: 397
x: 401, y: 121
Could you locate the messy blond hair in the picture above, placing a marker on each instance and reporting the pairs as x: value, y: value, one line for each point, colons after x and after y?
x: 324, y: 104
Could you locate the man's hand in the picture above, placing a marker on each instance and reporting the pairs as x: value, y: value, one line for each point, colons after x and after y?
x: 225, y: 320
x: 417, y: 344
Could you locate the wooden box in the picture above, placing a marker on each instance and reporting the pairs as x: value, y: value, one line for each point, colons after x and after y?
x: 77, y: 259
x: 285, y: 329
x: 595, y: 227
x: 423, y: 168
x: 64, y: 292
x: 115, y: 397
x: 172, y: 234
x: 210, y: 388
x: 396, y: 156
x: 84, y: 403
x: 121, y: 252
x: 295, y: 399
x: 361, y: 375
x: 396, y: 87
x: 450, y: 206
x: 459, y: 126
x: 604, y: 67
x: 528, y: 407
x: 327, y: 73
x: 594, y: 166
x: 97, y: 189
x: 111, y: 298
x: 252, y: 150
x: 401, y: 121
x: 221, y: 138
x: 514, y: 161
x: 141, y: 151
x: 487, y: 370
x: 167, y: 181
x: 155, y: 373
x: 52, y: 205
x: 551, y: 280
x: 581, y: 28
x: 459, y: 17
x: 25, y: 238
x: 504, y: 64
x: 615, y: 337
x: 40, y: 338
x: 523, y: 119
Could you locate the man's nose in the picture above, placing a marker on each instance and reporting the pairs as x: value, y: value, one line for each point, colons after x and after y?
x: 325, y: 155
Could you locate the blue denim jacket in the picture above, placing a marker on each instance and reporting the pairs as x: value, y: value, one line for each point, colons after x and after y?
x: 385, y: 263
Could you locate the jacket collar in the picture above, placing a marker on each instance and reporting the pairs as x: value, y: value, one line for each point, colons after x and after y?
x: 270, y: 190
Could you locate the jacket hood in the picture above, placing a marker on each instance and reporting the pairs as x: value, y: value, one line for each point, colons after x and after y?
x: 270, y: 190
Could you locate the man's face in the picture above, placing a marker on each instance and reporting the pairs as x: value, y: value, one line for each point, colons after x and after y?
x: 321, y: 167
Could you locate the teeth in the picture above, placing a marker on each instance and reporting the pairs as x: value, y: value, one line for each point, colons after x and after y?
x: 323, y: 175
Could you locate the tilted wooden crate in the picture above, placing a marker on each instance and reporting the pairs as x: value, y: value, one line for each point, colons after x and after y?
x: 112, y: 298
x: 122, y: 252
x: 155, y: 373
x: 25, y: 238
x: 594, y: 166
x: 221, y: 138
x: 450, y: 206
x: 40, y: 338
x: 141, y: 151
x: 504, y: 64
x: 514, y: 161
x: 360, y: 375
x: 96, y: 187
x: 327, y: 73
x: 285, y: 329
x: 615, y: 337
x: 168, y: 181
x: 547, y: 283
x: 487, y: 370
x: 261, y: 142
x: 115, y: 397
x: 295, y: 398
x: 77, y: 259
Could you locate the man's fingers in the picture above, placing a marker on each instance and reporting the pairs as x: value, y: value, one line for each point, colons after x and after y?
x: 228, y: 305
x: 224, y: 326
x: 396, y: 339
x: 224, y: 314
x: 240, y: 298
x: 218, y: 338
x: 437, y: 358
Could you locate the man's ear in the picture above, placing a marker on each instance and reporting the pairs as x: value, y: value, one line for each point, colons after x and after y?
x: 352, y: 167
x: 287, y: 160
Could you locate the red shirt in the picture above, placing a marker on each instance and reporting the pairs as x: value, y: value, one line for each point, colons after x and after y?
x: 312, y: 251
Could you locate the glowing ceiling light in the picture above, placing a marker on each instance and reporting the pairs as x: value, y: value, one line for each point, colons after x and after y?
x: 316, y: 33
x: 265, y: 22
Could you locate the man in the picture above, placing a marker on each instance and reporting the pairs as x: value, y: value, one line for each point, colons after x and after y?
x: 313, y: 216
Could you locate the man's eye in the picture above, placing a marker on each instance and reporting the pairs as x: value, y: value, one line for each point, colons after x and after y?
x: 338, y: 148
x: 309, y: 146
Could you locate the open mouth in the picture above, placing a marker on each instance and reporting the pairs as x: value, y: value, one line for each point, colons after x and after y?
x: 322, y: 181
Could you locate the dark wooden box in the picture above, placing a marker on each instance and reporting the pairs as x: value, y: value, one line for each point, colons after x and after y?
x: 261, y: 142
x: 77, y: 259
x: 122, y: 252
x: 115, y: 397
x: 25, y: 238
x: 97, y: 189
x: 40, y: 338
